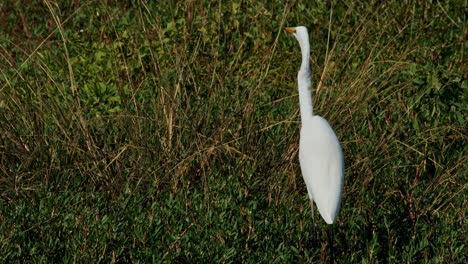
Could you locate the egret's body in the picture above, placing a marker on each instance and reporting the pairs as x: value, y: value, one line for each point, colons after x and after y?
x: 321, y: 162
x: 320, y: 154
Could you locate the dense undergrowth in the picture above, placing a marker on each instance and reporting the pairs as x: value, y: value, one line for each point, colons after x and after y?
x: 167, y: 130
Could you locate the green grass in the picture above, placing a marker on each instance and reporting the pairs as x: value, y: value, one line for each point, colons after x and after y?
x: 168, y: 132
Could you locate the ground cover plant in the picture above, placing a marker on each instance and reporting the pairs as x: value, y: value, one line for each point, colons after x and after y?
x: 167, y: 131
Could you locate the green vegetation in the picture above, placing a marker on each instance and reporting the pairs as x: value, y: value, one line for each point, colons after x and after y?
x: 167, y: 131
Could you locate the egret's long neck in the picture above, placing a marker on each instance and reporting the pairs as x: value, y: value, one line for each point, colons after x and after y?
x: 304, y: 83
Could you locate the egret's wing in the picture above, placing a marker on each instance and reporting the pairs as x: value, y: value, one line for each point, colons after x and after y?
x: 322, y: 166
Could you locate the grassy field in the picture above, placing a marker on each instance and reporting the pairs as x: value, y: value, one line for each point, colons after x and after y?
x: 167, y: 131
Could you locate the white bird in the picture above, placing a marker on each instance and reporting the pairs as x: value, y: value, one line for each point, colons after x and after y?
x: 320, y: 154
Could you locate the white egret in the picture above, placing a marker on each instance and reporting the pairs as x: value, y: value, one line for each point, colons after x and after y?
x: 320, y: 154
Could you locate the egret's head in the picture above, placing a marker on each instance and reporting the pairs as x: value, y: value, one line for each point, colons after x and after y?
x: 300, y: 33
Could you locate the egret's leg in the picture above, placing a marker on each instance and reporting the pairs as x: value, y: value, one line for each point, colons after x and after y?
x: 330, y: 243
x: 314, y: 231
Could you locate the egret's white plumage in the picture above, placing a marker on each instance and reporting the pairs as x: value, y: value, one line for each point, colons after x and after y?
x: 320, y: 154
x: 321, y: 162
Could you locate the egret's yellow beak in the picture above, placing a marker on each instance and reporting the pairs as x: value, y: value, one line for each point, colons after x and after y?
x: 290, y: 30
